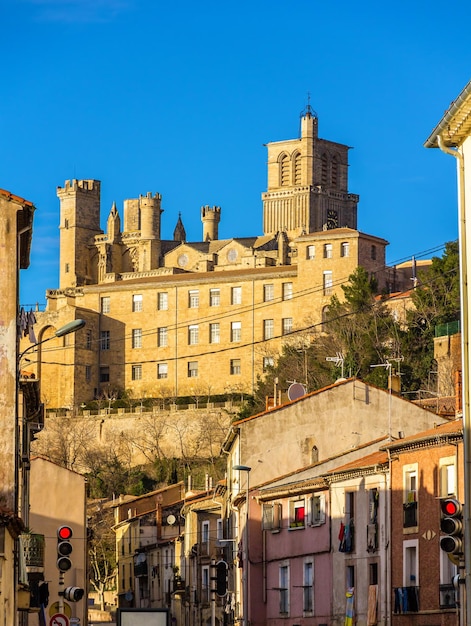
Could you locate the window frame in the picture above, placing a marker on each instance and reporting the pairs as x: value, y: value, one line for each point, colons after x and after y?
x: 297, y: 513
x: 286, y: 325
x: 136, y: 371
x: 137, y: 303
x: 236, y: 295
x: 105, y: 338
x: 105, y: 304
x: 235, y: 367
x: 136, y: 338
x: 327, y: 282
x: 236, y: 332
x: 162, y: 337
x: 162, y: 371
x: 214, y: 332
x: 214, y: 297
x: 162, y: 301
x: 193, y: 334
x: 287, y: 291
x: 192, y: 369
x: 268, y: 329
x: 268, y: 292
x: 193, y: 298
x: 310, y: 252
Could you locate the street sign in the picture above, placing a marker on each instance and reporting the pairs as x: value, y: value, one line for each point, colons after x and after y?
x: 55, y: 608
x: 59, y: 619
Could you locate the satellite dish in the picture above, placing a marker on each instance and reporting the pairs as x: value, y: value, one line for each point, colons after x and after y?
x: 295, y: 391
x: 171, y: 519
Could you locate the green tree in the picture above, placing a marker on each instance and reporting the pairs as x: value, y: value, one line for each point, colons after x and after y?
x: 436, y: 301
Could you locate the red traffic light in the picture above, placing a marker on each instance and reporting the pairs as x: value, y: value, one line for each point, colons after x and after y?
x: 64, y: 533
x: 451, y: 507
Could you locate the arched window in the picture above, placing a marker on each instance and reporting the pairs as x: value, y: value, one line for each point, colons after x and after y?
x: 325, y: 318
x: 335, y: 172
x: 314, y: 454
x: 284, y: 170
x: 297, y: 168
x: 324, y: 168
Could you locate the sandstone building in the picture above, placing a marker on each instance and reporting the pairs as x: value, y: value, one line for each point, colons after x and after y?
x: 167, y: 317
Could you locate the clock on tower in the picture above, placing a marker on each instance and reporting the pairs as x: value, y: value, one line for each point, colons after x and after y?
x: 332, y: 219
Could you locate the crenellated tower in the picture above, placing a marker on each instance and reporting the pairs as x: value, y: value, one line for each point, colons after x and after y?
x: 79, y: 224
x: 210, y: 216
x: 307, y: 187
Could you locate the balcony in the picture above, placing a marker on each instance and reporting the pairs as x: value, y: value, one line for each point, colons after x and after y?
x: 410, y: 514
x: 406, y: 600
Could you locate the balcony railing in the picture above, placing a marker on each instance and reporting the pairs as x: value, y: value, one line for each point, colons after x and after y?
x: 410, y: 514
x: 406, y: 600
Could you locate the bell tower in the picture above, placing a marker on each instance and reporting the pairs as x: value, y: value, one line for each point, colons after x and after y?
x: 79, y: 223
x: 307, y: 187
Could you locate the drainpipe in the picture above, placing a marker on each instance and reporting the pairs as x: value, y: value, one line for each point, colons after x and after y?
x: 463, y: 255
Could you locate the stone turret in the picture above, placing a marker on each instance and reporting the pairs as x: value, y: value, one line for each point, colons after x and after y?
x: 79, y: 224
x: 210, y: 216
x: 179, y: 234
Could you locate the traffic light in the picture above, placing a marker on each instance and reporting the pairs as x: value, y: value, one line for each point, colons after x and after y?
x: 64, y: 548
x: 221, y: 578
x: 73, y: 594
x: 452, y: 525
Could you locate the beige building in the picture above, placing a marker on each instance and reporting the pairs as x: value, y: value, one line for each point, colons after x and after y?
x: 175, y: 318
x: 58, y: 498
x: 16, y: 223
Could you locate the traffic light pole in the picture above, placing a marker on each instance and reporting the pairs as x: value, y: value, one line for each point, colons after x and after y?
x: 61, y: 592
x: 213, y: 592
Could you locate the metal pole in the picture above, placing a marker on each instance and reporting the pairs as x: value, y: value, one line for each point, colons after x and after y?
x: 465, y: 356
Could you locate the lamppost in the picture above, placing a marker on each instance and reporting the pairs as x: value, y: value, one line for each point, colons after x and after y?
x: 245, y: 570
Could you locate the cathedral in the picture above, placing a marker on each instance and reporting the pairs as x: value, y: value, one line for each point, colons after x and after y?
x: 169, y: 317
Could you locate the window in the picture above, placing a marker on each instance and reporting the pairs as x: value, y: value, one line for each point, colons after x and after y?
x: 88, y: 340
x: 325, y: 317
x: 162, y: 337
x: 344, y: 249
x: 162, y: 301
x: 137, y: 337
x: 105, y: 304
x: 66, y: 223
x: 214, y: 333
x: 88, y: 373
x: 297, y: 169
x: 328, y: 283
x: 271, y: 516
x: 324, y: 168
x: 268, y: 361
x: 268, y: 329
x: 193, y: 298
x: 308, y: 586
x: 327, y: 251
x: 136, y: 372
x: 373, y: 252
x: 284, y: 588
x: 335, y: 171
x: 235, y: 366
x: 410, y: 495
x: 447, y: 477
x: 162, y: 370
x: 236, y: 331
x: 205, y: 531
x: 193, y: 334
x: 236, y: 295
x: 284, y: 170
x: 350, y: 576
x: 104, y: 374
x: 372, y: 542
x: 192, y: 369
x: 104, y: 339
x: 137, y: 303
x: 286, y: 325
x: 287, y: 291
x: 296, y: 513
x: 67, y: 268
x: 409, y: 563
x: 310, y: 252
x: 268, y: 293
x: 347, y: 527
x: 317, y: 509
x: 214, y: 297
x: 205, y: 584
x: 219, y: 529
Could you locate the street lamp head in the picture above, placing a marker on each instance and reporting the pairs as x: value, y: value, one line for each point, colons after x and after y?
x: 241, y: 468
x: 71, y: 327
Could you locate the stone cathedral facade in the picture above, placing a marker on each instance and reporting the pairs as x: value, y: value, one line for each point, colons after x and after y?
x: 168, y: 317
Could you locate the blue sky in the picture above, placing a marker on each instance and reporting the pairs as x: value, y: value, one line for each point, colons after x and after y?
x: 179, y: 98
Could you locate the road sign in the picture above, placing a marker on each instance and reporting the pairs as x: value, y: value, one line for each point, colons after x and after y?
x: 59, y: 619
x: 55, y: 608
